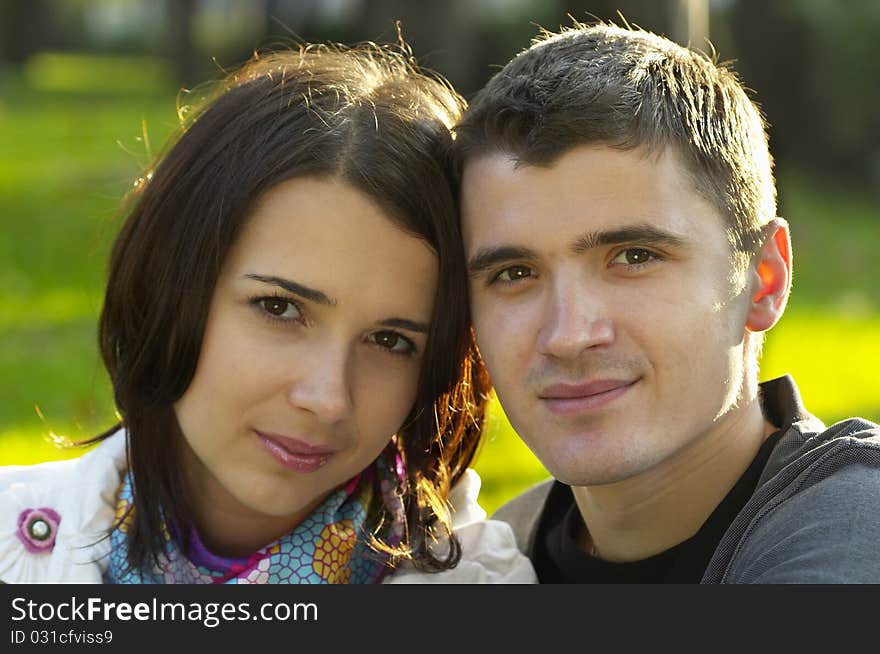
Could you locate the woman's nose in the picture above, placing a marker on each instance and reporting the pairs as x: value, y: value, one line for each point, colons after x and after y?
x: 323, y: 387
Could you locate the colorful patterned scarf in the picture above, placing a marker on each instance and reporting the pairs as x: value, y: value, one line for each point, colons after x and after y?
x: 328, y: 547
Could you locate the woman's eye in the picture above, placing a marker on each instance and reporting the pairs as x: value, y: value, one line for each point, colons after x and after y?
x: 513, y: 274
x: 393, y: 342
x: 634, y: 256
x: 280, y: 308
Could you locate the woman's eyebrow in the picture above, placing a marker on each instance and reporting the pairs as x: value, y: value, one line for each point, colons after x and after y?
x: 404, y: 323
x: 298, y: 289
x: 321, y: 298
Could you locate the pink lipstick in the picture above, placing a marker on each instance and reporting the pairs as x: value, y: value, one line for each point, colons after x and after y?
x: 293, y: 453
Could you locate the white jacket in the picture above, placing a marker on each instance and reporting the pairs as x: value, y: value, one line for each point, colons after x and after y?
x: 82, y: 492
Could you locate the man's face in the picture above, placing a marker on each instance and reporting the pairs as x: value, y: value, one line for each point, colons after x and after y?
x: 605, y: 306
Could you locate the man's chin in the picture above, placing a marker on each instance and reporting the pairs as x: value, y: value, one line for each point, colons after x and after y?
x: 589, y: 469
x: 588, y: 478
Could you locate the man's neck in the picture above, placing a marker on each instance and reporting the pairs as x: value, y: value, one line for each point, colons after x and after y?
x: 642, y: 516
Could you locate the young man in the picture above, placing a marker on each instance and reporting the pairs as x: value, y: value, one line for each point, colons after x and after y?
x: 625, y: 258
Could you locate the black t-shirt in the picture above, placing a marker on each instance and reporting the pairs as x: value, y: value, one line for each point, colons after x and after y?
x: 558, y: 558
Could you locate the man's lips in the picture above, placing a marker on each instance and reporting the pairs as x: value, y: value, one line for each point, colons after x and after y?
x: 595, y: 387
x: 568, y: 399
x: 293, y: 453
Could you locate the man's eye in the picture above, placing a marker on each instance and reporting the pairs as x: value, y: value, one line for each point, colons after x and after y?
x: 393, y: 342
x: 513, y: 274
x: 634, y: 256
x: 280, y: 308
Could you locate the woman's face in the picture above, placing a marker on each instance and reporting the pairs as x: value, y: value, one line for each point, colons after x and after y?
x: 310, y: 357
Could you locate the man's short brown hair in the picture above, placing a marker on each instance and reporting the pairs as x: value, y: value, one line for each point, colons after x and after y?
x: 629, y: 88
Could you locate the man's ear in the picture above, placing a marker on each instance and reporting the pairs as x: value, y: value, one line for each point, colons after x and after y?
x: 771, y: 273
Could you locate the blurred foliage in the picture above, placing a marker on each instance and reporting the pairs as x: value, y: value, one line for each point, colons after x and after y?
x: 69, y: 155
x: 52, y: 71
x: 813, y: 63
x: 815, y: 67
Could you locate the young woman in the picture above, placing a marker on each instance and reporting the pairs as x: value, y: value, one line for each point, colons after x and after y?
x: 285, y: 327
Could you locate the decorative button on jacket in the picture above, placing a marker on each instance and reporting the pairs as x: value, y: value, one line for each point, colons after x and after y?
x: 37, y: 529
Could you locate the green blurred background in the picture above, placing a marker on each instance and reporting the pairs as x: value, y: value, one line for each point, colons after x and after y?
x: 88, y: 93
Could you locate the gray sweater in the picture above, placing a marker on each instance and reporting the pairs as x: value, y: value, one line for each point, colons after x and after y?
x: 813, y: 518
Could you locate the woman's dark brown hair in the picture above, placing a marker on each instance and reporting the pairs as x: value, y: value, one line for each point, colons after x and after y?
x: 364, y: 115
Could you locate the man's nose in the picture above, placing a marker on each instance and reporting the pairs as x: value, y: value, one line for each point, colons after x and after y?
x: 324, y: 388
x: 575, y: 320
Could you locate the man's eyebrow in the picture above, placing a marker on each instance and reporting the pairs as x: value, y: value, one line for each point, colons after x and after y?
x: 489, y: 257
x: 404, y: 323
x: 644, y: 234
x: 297, y: 289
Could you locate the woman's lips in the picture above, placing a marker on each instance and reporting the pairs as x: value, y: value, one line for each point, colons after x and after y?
x: 573, y: 399
x: 295, y: 454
